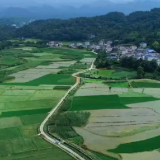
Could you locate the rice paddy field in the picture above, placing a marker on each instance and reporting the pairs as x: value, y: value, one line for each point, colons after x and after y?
x: 26, y: 99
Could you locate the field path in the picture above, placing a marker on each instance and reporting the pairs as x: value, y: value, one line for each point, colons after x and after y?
x: 56, y: 142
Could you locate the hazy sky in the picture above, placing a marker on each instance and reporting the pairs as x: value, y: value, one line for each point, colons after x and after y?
x: 25, y: 3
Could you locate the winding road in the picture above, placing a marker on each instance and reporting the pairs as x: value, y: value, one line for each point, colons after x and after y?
x: 55, y: 141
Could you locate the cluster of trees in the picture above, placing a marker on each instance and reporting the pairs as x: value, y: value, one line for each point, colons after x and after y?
x: 4, y: 76
x: 133, y: 28
x: 102, y: 62
x: 133, y: 63
x: 140, y: 65
x: 62, y: 124
x: 7, y: 32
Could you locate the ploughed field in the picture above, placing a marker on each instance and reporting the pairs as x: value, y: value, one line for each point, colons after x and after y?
x: 40, y: 78
x: 124, y: 122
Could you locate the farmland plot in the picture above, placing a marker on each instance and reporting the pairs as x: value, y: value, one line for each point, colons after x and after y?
x: 101, y: 143
x: 154, y: 155
x: 96, y: 102
x: 120, y: 123
x: 98, y: 89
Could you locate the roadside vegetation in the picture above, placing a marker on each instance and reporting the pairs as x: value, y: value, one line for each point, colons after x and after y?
x: 62, y: 124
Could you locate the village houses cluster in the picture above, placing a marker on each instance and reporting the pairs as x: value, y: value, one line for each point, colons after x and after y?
x: 115, y: 52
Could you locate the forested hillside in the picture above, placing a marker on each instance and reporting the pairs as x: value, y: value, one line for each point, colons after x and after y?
x: 134, y: 28
x: 6, y: 32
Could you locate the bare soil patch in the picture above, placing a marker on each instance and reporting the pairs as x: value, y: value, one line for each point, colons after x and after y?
x: 98, y: 89
x: 107, y: 129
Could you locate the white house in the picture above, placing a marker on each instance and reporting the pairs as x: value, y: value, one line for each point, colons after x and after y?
x: 133, y: 47
x: 97, y: 47
x: 109, y: 49
x: 143, y: 45
x: 101, y: 43
x: 79, y: 44
x: 87, y: 44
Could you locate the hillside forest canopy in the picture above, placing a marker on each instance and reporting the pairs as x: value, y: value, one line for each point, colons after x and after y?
x: 140, y: 26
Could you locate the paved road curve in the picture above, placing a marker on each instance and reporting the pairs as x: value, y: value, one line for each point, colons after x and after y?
x: 54, y: 141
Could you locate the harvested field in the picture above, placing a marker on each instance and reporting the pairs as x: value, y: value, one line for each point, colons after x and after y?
x: 31, y: 74
x: 56, y: 65
x: 101, y: 143
x: 153, y: 92
x: 96, y: 102
x: 87, y: 60
x: 155, y: 106
x: 120, y: 123
x: 152, y: 155
x: 133, y: 94
x: 90, y: 89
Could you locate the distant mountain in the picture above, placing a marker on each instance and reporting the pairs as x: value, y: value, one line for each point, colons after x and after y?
x: 133, y: 28
x: 99, y: 7
x: 16, y: 12
x: 15, y: 22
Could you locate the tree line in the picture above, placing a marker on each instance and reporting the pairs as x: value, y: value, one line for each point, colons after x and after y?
x: 141, y: 66
x: 122, y: 29
x: 133, y: 28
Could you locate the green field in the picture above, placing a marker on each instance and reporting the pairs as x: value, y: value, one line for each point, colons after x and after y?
x: 50, y: 79
x: 132, y: 100
x: 57, y: 79
x: 96, y: 102
x: 123, y: 74
x: 145, y: 85
x: 111, y: 74
x: 118, y: 85
x: 101, y: 73
x: 140, y: 146
x: 106, y: 102
x: 33, y: 119
x: 93, y: 81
